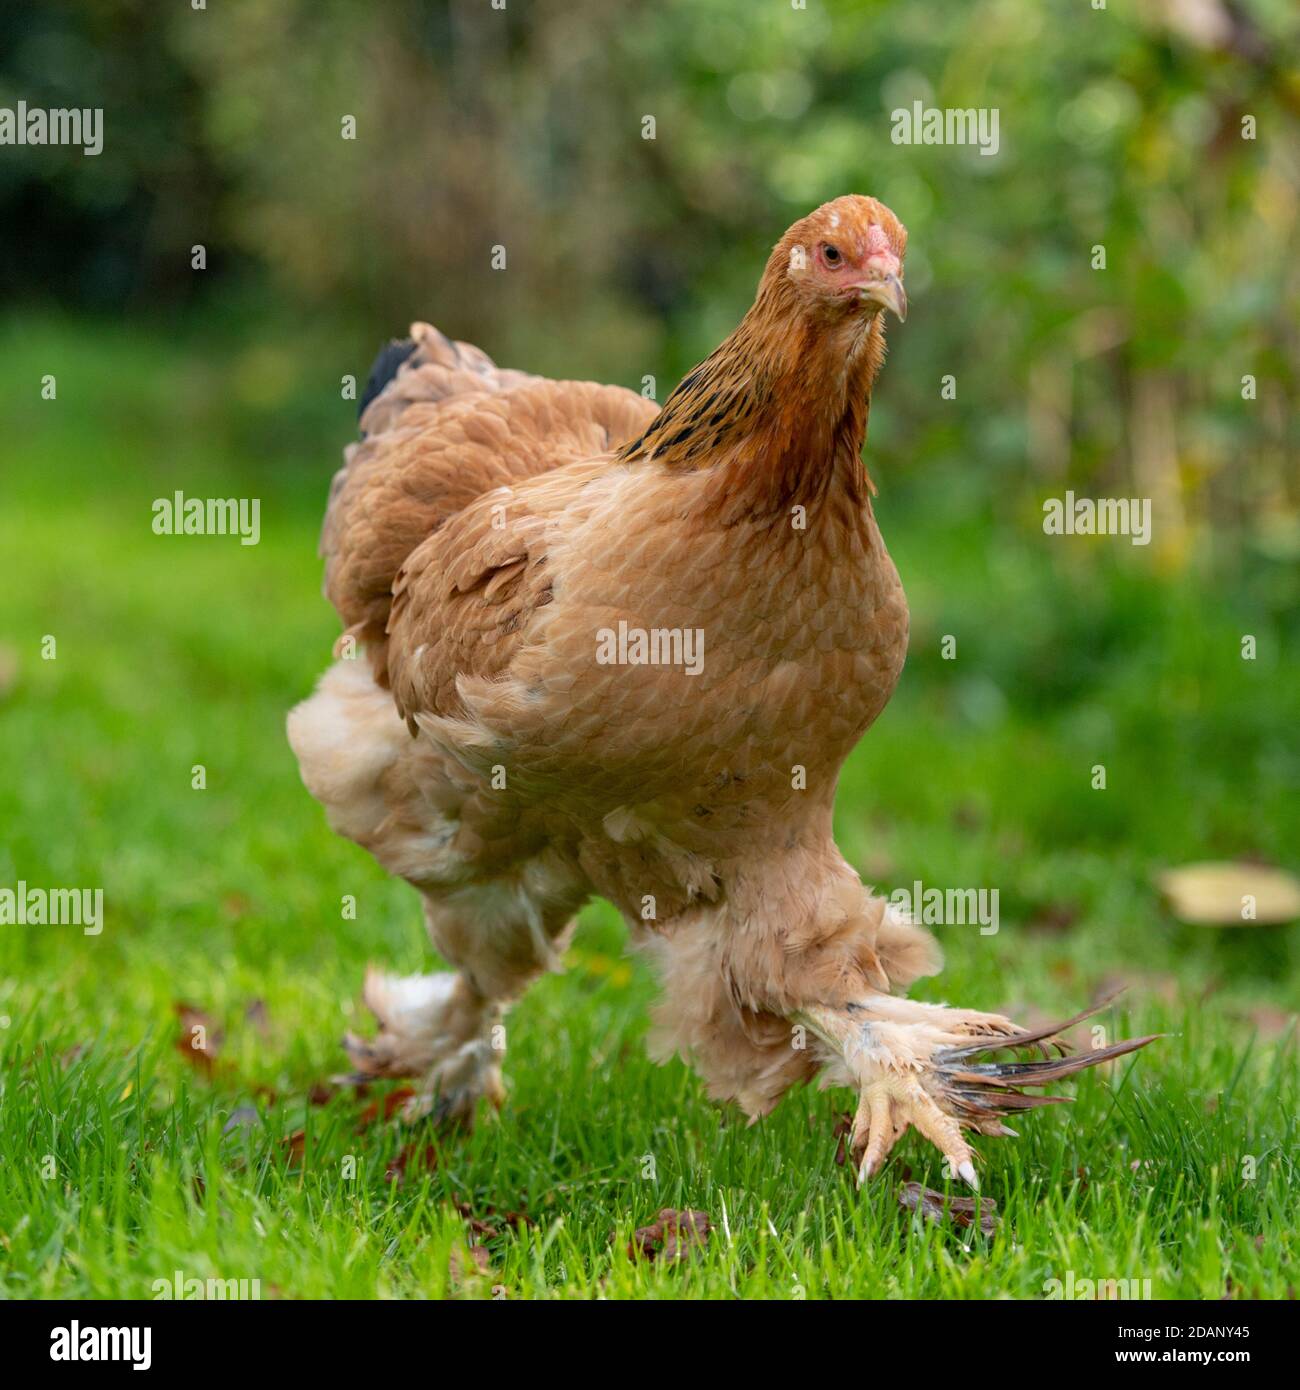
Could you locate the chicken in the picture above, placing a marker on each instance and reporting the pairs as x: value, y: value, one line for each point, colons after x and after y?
x: 619, y: 651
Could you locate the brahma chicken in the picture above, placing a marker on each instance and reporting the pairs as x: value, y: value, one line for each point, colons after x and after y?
x: 594, y: 647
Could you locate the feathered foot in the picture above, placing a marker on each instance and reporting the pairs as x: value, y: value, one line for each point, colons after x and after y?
x: 436, y: 1027
x: 917, y: 1064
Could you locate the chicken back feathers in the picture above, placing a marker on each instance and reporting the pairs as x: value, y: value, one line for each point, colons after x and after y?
x: 448, y: 427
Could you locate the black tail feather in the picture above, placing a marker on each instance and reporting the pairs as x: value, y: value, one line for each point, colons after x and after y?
x: 386, y: 367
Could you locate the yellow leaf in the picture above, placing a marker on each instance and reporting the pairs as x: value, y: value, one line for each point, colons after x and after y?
x: 1231, y: 895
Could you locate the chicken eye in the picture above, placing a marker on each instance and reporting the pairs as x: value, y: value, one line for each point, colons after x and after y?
x: 831, y: 254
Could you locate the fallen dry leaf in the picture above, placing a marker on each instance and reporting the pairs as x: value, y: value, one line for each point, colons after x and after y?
x: 414, y: 1157
x: 199, y: 1039
x: 386, y: 1107
x: 468, y: 1264
x: 1231, y: 894
x: 676, y: 1235
x: 937, y: 1207
x: 1052, y: 918
x: 491, y: 1222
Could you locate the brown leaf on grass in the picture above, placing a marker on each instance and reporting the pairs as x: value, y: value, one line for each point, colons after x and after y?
x: 296, y: 1145
x: 467, y: 1264
x: 676, y: 1235
x: 1230, y: 894
x: 384, y: 1108
x: 938, y: 1207
x: 477, y: 1227
x: 200, y: 1038
x: 1052, y: 919
x: 321, y: 1093
x: 490, y: 1222
x: 413, y: 1157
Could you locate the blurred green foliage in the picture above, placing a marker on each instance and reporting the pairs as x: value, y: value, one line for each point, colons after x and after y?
x: 628, y: 257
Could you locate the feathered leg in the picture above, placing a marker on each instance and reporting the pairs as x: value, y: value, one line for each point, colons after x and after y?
x: 437, y: 1028
x: 918, y: 1064
x: 449, y: 1029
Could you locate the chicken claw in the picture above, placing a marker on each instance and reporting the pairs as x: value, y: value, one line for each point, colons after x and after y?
x: 920, y: 1065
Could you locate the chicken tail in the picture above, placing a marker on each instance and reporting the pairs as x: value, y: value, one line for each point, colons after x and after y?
x: 426, y: 366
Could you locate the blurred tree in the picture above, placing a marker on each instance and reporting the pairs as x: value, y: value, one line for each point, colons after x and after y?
x: 1164, y: 132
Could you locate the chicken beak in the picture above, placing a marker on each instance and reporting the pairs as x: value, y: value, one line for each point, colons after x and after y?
x: 888, y: 292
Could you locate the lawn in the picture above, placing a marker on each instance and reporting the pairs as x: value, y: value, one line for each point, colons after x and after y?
x: 124, y: 1158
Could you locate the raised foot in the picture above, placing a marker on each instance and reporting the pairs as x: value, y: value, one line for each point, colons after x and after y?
x: 436, y: 1028
x: 921, y: 1065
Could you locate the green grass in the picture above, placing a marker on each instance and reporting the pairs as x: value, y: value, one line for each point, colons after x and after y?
x: 1176, y: 1167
